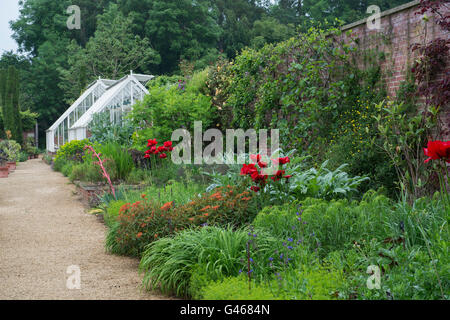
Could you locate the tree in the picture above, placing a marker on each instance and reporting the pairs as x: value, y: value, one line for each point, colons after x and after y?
x: 181, y: 29
x: 112, y: 52
x: 11, y: 112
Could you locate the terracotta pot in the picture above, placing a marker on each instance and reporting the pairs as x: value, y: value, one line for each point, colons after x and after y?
x: 4, y: 171
x: 11, y: 166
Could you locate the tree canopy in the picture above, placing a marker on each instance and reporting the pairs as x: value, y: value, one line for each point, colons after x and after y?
x: 151, y: 36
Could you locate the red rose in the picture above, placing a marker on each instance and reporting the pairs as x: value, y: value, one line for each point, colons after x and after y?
x: 437, y: 150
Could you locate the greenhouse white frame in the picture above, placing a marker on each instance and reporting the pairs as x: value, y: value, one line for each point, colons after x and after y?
x: 113, y: 96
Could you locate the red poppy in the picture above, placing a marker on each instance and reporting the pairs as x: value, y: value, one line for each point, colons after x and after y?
x: 168, y: 144
x: 248, y: 169
x: 281, y: 160
x: 262, y: 164
x: 255, y: 188
x: 161, y: 149
x: 152, y: 149
x: 163, y: 155
x: 437, y: 150
x: 147, y: 156
x: 152, y: 143
x: 288, y: 176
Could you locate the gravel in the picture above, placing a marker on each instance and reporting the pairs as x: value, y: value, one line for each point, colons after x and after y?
x: 44, y: 229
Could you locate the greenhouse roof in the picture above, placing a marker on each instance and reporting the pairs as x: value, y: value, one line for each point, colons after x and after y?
x: 111, y: 93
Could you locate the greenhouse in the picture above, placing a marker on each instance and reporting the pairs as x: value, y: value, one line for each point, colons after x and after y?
x: 115, y: 97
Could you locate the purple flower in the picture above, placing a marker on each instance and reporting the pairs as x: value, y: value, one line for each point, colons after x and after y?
x: 290, y: 247
x: 290, y: 239
x: 251, y: 260
x: 240, y: 270
x: 270, y: 259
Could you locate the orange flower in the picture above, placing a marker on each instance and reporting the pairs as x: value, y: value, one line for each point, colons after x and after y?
x: 215, y: 207
x: 156, y: 235
x: 206, y: 214
x: 139, y: 235
x: 143, y: 196
x: 191, y: 219
x: 143, y: 225
x: 205, y: 208
x: 167, y: 206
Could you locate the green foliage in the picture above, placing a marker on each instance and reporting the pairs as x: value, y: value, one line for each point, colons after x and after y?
x: 325, y: 184
x: 168, y: 263
x: 237, y: 288
x: 73, y: 150
x: 121, y: 159
x: 112, y: 212
x: 113, y: 40
x: 102, y: 130
x: 168, y: 108
x: 11, y: 148
x: 86, y: 172
x: 403, y: 134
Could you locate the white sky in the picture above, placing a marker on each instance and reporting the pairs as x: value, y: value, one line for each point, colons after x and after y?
x: 9, y: 10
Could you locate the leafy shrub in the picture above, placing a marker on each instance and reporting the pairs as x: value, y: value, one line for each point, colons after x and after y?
x: 306, y: 283
x: 112, y: 212
x: 86, y: 172
x: 325, y: 184
x: 66, y: 169
x: 224, y: 206
x: 169, y: 263
x: 73, y: 150
x: 140, y: 223
x: 12, y: 149
x: 103, y: 131
x: 236, y: 288
x: 120, y: 158
x: 169, y: 107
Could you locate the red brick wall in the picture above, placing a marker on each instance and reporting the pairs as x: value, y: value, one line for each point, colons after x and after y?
x: 400, y: 28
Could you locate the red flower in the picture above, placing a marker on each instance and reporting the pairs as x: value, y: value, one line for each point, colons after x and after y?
x: 437, y: 150
x: 163, y: 155
x: 161, y: 149
x: 278, y: 175
x: 152, y: 149
x: 262, y: 164
x: 248, y: 169
x: 152, y: 143
x: 168, y: 144
x: 255, y: 157
x: 255, y: 188
x: 281, y: 160
x: 147, y: 156
x: 288, y: 176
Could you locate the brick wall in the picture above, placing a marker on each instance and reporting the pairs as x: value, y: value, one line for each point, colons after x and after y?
x: 400, y: 28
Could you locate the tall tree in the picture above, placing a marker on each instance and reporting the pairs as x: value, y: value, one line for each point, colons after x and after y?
x: 181, y: 29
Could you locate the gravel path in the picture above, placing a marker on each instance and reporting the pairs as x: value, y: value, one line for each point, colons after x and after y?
x: 44, y: 229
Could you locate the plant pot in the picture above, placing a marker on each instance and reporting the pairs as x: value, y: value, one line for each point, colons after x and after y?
x: 4, y: 171
x: 11, y: 165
